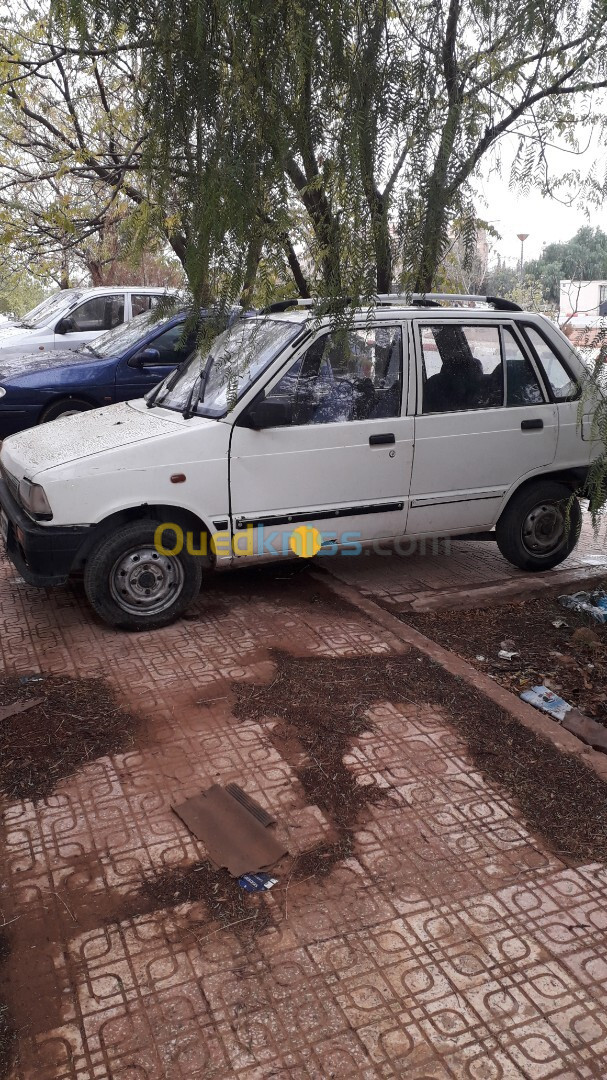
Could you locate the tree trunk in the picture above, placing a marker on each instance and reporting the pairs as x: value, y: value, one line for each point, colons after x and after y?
x: 254, y: 251
x: 95, y: 270
x: 295, y: 266
x: 326, y: 226
x: 381, y: 241
x: 64, y: 281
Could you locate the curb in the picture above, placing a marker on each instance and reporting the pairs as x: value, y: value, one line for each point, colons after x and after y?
x: 528, y: 587
x: 539, y: 723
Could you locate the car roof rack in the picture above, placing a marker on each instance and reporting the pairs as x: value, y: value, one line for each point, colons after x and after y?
x: 499, y: 303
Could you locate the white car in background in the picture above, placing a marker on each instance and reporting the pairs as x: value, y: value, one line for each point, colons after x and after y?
x: 71, y: 317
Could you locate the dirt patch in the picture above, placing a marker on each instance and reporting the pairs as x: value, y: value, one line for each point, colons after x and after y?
x: 575, y: 669
x: 245, y: 914
x: 323, y: 701
x: 7, y: 1031
x: 321, y: 712
x: 77, y: 721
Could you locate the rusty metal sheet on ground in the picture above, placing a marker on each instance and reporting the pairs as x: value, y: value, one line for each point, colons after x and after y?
x: 6, y: 711
x: 233, y: 828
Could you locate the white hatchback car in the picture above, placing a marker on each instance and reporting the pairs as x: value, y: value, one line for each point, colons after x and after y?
x: 71, y: 317
x: 410, y: 419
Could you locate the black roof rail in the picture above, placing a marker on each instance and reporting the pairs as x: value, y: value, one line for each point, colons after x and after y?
x: 400, y: 299
x: 500, y: 304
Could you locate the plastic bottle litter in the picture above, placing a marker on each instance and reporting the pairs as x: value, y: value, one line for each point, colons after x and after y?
x: 594, y: 603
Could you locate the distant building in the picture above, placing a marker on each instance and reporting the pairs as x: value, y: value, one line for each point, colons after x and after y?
x: 583, y: 303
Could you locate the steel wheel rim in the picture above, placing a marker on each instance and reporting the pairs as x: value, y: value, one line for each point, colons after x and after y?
x: 144, y: 582
x: 544, y: 529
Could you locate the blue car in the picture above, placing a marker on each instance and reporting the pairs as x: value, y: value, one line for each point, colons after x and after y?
x: 120, y: 365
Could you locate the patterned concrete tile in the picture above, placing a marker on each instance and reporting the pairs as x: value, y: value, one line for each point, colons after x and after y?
x: 450, y: 945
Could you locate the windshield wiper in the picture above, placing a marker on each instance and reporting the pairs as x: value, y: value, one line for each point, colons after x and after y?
x: 188, y: 411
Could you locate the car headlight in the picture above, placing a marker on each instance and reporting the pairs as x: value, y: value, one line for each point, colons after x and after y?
x: 33, y: 498
x: 2, y: 391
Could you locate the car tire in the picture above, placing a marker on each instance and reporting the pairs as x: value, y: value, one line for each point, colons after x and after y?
x: 540, y: 526
x: 133, y: 586
x: 65, y: 407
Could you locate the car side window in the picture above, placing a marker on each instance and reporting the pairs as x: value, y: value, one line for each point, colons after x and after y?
x: 522, y: 385
x: 345, y: 375
x: 563, y: 386
x: 172, y: 350
x: 98, y: 314
x: 141, y: 302
x: 461, y: 368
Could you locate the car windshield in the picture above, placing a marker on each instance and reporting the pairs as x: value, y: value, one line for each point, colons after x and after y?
x: 50, y: 307
x: 214, y: 378
x: 113, y: 342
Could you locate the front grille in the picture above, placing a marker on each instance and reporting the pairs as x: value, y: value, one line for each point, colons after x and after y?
x: 11, y: 482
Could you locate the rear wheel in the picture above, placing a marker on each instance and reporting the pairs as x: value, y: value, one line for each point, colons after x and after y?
x: 66, y: 407
x: 132, y: 585
x: 540, y: 526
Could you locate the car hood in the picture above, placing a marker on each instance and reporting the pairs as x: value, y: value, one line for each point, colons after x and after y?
x: 34, y: 362
x: 14, y: 336
x: 84, y: 435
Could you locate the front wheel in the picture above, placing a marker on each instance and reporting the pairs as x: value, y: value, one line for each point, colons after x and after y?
x: 540, y: 526
x: 132, y: 585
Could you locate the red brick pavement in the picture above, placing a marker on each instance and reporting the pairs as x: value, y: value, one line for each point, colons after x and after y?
x: 452, y: 944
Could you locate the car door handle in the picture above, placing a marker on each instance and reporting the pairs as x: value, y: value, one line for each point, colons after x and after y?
x: 381, y: 440
x: 531, y: 425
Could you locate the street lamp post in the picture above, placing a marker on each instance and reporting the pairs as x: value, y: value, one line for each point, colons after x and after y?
x: 522, y: 237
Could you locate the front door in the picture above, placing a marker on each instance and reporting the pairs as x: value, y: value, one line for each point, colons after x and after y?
x: 90, y: 319
x: 140, y: 371
x: 483, y: 421
x: 340, y: 452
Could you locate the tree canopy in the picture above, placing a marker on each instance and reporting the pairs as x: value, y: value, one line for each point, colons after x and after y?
x: 583, y: 258
x: 371, y: 116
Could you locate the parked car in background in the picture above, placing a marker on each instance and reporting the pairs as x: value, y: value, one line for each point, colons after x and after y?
x: 71, y: 317
x: 123, y: 363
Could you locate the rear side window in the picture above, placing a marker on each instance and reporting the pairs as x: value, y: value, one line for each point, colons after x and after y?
x: 141, y: 302
x: 522, y: 386
x: 563, y: 386
x: 462, y: 368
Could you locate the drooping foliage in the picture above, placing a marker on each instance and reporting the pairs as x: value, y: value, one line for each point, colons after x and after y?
x: 362, y: 120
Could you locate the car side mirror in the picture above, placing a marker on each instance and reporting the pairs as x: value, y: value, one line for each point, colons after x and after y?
x: 65, y: 326
x: 265, y: 413
x: 144, y: 358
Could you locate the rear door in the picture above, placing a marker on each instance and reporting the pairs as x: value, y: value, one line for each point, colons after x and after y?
x: 141, y: 302
x: 483, y: 420
x: 340, y: 457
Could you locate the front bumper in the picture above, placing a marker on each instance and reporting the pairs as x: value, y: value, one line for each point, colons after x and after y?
x: 43, y: 554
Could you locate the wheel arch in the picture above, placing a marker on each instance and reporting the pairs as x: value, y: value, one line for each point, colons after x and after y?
x: 57, y: 398
x: 573, y: 477
x: 186, y: 519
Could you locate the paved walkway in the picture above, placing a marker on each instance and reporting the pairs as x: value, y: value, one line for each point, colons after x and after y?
x: 452, y: 573
x: 450, y: 943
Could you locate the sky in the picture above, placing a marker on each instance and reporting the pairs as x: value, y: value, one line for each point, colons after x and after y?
x: 543, y: 218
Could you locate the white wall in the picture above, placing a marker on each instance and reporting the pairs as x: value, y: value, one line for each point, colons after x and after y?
x: 580, y: 301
